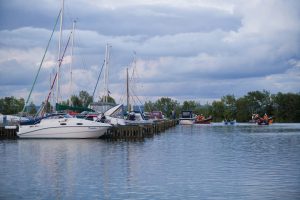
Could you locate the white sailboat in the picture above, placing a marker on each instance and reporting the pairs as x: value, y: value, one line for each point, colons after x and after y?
x: 133, y: 117
x: 115, y: 115
x: 63, y: 126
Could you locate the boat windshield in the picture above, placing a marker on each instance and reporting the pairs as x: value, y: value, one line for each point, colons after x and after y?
x: 186, y: 114
x: 68, y: 116
x: 57, y: 116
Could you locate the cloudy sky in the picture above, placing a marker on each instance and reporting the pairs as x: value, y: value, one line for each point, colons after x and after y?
x: 185, y: 49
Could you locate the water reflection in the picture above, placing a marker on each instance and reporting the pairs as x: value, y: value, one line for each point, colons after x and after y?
x: 186, y: 162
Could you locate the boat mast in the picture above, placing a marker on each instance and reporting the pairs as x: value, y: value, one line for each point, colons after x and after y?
x: 133, y: 75
x: 98, y: 80
x: 36, y: 76
x: 127, y: 90
x: 59, y: 52
x: 106, y: 73
x: 71, y: 65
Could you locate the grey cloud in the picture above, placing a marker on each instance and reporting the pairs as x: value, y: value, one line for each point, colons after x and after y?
x: 155, y: 20
x: 184, y: 51
x: 14, y: 73
x: 128, y: 20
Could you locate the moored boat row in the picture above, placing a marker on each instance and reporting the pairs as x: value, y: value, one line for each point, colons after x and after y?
x: 188, y: 118
x: 83, y: 125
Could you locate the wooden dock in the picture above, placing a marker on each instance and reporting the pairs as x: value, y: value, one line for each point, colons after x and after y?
x: 8, y: 133
x: 128, y: 132
x: 138, y: 131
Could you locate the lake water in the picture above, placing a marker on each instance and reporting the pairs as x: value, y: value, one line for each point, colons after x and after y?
x: 185, y: 162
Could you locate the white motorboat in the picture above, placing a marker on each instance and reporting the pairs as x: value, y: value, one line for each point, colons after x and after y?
x: 186, y: 121
x: 114, y: 116
x: 64, y: 128
x: 137, y: 118
x: 229, y: 122
x: 187, y: 118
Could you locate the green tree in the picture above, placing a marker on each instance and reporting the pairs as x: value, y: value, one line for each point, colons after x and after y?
x: 189, y: 105
x: 32, y: 109
x: 65, y: 103
x: 149, y: 106
x: 243, y: 113
x: 11, y: 105
x: 287, y: 107
x: 205, y: 110
x: 109, y: 99
x: 76, y: 101
x: 85, y: 98
x: 259, y: 102
x: 230, y: 111
x: 218, y: 109
x: 167, y: 105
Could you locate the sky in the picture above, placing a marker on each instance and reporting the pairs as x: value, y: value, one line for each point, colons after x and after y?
x: 196, y: 50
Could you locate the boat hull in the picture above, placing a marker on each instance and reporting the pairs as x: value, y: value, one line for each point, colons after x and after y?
x: 64, y: 129
x: 204, y: 121
x: 229, y: 122
x: 186, y: 121
x: 264, y: 122
x: 63, y: 132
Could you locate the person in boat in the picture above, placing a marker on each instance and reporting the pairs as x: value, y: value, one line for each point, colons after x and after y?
x: 266, y: 118
x: 200, y: 117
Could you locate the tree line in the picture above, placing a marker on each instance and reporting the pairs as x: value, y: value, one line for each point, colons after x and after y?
x: 283, y: 107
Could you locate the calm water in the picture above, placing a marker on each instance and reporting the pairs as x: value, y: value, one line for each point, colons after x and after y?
x: 185, y: 162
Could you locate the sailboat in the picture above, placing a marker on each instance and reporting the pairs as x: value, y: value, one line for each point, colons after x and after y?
x: 134, y: 117
x: 104, y: 104
x: 62, y: 126
x: 115, y: 115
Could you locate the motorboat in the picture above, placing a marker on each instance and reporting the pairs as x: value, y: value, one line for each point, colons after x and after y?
x: 229, y: 122
x: 157, y: 116
x: 114, y: 116
x: 137, y: 118
x: 200, y: 119
x: 63, y: 127
x: 265, y: 120
x: 186, y: 118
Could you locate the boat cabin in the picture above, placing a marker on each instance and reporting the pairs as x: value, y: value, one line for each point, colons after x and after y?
x: 156, y: 115
x: 186, y: 114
